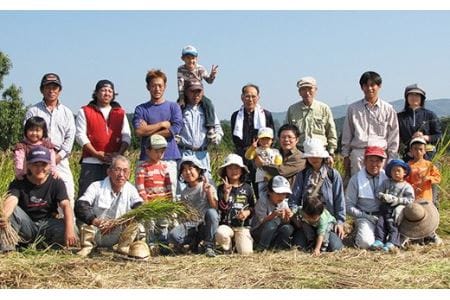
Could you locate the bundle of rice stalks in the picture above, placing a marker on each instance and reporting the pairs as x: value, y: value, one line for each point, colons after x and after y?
x: 8, y: 236
x: 160, y: 208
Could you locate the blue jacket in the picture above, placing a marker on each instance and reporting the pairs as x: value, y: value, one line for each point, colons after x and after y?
x: 421, y: 119
x: 332, y: 191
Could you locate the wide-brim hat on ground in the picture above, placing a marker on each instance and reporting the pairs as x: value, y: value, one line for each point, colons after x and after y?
x: 420, y: 220
x: 397, y: 162
x: 232, y: 159
x: 314, y: 147
x: 280, y: 185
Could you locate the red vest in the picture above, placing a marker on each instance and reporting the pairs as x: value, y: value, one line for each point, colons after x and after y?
x: 104, y: 135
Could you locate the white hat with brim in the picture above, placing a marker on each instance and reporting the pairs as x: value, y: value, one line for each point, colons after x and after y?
x: 193, y: 160
x: 314, y: 147
x: 280, y: 185
x: 420, y: 220
x: 232, y: 159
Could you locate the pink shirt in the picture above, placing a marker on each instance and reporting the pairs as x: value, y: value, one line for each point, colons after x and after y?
x: 20, y: 154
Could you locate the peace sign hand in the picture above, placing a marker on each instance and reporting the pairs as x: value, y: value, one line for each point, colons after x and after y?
x: 226, y: 188
x: 214, y: 70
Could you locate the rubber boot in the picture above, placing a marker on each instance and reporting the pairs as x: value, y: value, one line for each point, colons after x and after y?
x: 87, y: 234
x: 127, y: 236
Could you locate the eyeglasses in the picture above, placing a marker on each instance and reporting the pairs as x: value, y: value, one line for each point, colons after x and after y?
x: 118, y: 170
x: 288, y: 137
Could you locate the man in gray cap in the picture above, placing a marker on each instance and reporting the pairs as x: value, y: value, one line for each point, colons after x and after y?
x: 193, y: 139
x: 313, y: 118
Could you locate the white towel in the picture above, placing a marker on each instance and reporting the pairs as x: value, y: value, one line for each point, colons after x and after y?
x: 364, y: 188
x: 259, y: 120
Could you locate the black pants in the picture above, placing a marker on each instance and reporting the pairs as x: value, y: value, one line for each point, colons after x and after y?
x: 90, y: 173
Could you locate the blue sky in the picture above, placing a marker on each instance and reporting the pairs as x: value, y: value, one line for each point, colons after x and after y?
x: 272, y: 49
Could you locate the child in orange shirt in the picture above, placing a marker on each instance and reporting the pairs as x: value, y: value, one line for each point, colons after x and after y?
x: 422, y: 176
x: 423, y: 173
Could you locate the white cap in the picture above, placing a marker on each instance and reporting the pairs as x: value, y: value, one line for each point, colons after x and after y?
x: 265, y: 132
x: 280, y: 185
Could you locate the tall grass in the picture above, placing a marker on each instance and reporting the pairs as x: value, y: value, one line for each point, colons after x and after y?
x: 6, y: 170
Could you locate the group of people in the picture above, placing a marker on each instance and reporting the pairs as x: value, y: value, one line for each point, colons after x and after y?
x: 267, y: 198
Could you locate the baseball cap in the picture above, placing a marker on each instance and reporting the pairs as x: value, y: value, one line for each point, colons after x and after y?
x: 280, y: 185
x: 38, y: 153
x: 189, y: 50
x: 306, y: 81
x: 193, y: 84
x: 414, y: 88
x: 375, y: 151
x: 156, y: 141
x: 102, y: 83
x: 51, y: 78
x: 265, y: 132
x: 419, y: 140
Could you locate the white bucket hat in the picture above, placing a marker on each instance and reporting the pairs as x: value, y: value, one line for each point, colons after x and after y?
x: 232, y: 159
x: 314, y: 147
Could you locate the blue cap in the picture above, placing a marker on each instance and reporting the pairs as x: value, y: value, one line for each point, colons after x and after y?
x: 397, y: 162
x: 189, y: 50
x: 38, y: 153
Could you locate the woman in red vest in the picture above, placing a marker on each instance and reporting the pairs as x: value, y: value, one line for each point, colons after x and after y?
x: 103, y: 132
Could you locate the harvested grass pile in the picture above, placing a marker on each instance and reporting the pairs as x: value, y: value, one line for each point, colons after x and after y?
x: 417, y: 267
x: 157, y: 209
x: 8, y: 236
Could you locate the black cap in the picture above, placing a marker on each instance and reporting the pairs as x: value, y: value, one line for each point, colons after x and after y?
x: 103, y: 83
x: 51, y: 78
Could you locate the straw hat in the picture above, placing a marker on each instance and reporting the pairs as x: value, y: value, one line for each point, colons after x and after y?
x: 139, y: 250
x: 420, y: 220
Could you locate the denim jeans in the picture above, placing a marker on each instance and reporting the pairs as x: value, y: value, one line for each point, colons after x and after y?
x: 53, y: 230
x: 273, y: 234
x: 194, y: 232
x: 305, y: 238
